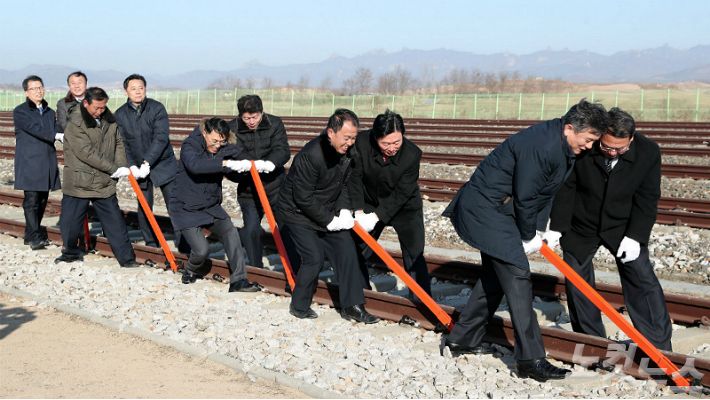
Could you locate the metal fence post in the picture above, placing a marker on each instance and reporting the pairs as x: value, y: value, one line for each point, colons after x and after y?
x: 187, y: 107
x: 198, y: 101
x: 372, y: 107
x: 668, y: 105
x: 433, y: 109
x: 453, y: 113
x: 497, y: 104
x: 697, y: 104
x: 353, y: 107
x: 332, y: 107
x: 542, y: 107
x: 414, y: 97
x: 392, y: 107
x: 272, y: 101
x: 313, y: 99
x: 292, y: 94
x: 520, y: 105
x: 641, y: 111
x: 616, y: 99
x: 475, y: 105
x: 567, y: 103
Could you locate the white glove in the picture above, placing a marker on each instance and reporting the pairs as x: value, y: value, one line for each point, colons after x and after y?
x: 532, y: 245
x: 59, y: 136
x: 346, y: 219
x: 238, y: 165
x: 629, y: 250
x: 121, y: 172
x: 366, y: 220
x: 144, y: 170
x: 135, y: 171
x: 264, y: 166
x: 334, y: 225
x: 552, y: 238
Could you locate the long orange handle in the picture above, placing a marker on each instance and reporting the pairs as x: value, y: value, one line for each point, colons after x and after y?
x: 272, y: 224
x: 440, y: 314
x: 153, y: 222
x: 668, y: 367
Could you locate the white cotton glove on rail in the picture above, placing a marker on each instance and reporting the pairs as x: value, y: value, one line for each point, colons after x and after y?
x: 366, y: 220
x: 238, y: 165
x: 629, y: 250
x: 265, y: 166
x: 552, y: 238
x: 135, y: 171
x: 144, y: 170
x: 334, y: 225
x: 59, y: 137
x: 532, y: 245
x: 121, y: 172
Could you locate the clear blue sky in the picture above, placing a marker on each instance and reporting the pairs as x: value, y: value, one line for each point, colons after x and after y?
x: 177, y: 36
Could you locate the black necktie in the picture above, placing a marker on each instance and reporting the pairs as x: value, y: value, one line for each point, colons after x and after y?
x: 608, y: 165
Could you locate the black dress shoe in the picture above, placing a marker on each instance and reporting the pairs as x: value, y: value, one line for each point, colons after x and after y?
x: 68, y: 258
x: 302, y: 314
x: 244, y: 286
x: 459, y: 349
x: 38, y: 245
x: 357, y: 313
x: 130, y: 264
x: 541, y: 370
x: 189, y: 276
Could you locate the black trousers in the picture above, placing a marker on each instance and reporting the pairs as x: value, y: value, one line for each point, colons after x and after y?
x: 643, y: 297
x: 409, y: 225
x: 250, y: 234
x: 34, y: 205
x: 313, y: 247
x: 108, y: 212
x: 500, y: 278
x: 227, y: 234
x: 148, y: 191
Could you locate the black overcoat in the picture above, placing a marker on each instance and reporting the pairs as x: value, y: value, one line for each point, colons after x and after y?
x: 385, y: 187
x: 267, y: 142
x: 197, y: 198
x: 146, y: 135
x: 316, y: 187
x: 510, y: 194
x: 594, y: 205
x: 35, y: 156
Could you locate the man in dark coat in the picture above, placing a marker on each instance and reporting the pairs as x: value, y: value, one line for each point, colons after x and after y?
x: 197, y: 201
x: 36, y: 171
x: 263, y: 138
x: 384, y: 190
x: 77, y: 87
x: 315, y: 214
x: 611, y: 200
x: 501, y: 211
x: 143, y: 124
x: 94, y: 159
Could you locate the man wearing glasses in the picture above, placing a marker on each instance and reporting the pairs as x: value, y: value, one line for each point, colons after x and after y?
x: 36, y: 171
x: 611, y: 200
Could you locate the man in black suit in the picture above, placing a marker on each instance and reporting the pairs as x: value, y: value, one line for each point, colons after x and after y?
x: 501, y: 211
x: 611, y: 200
x: 385, y: 192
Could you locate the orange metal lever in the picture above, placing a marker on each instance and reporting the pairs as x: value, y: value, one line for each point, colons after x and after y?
x: 662, y: 361
x: 272, y: 224
x: 153, y: 222
x: 440, y: 314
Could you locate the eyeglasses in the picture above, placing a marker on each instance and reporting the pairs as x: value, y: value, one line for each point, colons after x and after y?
x: 617, y: 150
x: 214, y: 142
x: 34, y: 89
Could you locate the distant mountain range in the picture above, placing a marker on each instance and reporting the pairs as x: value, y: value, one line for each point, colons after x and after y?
x: 657, y: 65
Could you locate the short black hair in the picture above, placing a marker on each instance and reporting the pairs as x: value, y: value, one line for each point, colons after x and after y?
x: 95, y: 93
x: 250, y: 103
x: 585, y: 115
x: 336, y: 121
x: 621, y: 123
x: 216, y: 124
x: 132, y: 77
x: 26, y: 81
x: 77, y: 73
x: 387, y: 123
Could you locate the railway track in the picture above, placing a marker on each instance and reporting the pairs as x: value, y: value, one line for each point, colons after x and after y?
x: 561, y: 344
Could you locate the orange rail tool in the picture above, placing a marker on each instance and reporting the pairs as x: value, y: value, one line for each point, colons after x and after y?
x: 668, y: 367
x: 153, y: 222
x: 272, y: 224
x: 440, y: 314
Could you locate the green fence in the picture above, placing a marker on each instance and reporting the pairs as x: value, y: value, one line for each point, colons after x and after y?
x: 644, y: 105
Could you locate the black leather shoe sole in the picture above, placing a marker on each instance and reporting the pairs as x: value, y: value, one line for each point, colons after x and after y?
x: 457, y: 349
x: 365, y: 319
x: 244, y: 287
x: 38, y: 246
x: 68, y: 259
x: 308, y: 314
x: 189, y: 277
x: 131, y: 264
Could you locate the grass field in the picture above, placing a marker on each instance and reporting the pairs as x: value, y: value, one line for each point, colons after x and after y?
x: 644, y: 105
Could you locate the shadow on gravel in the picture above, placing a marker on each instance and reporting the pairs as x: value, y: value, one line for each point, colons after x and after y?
x: 13, y: 318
